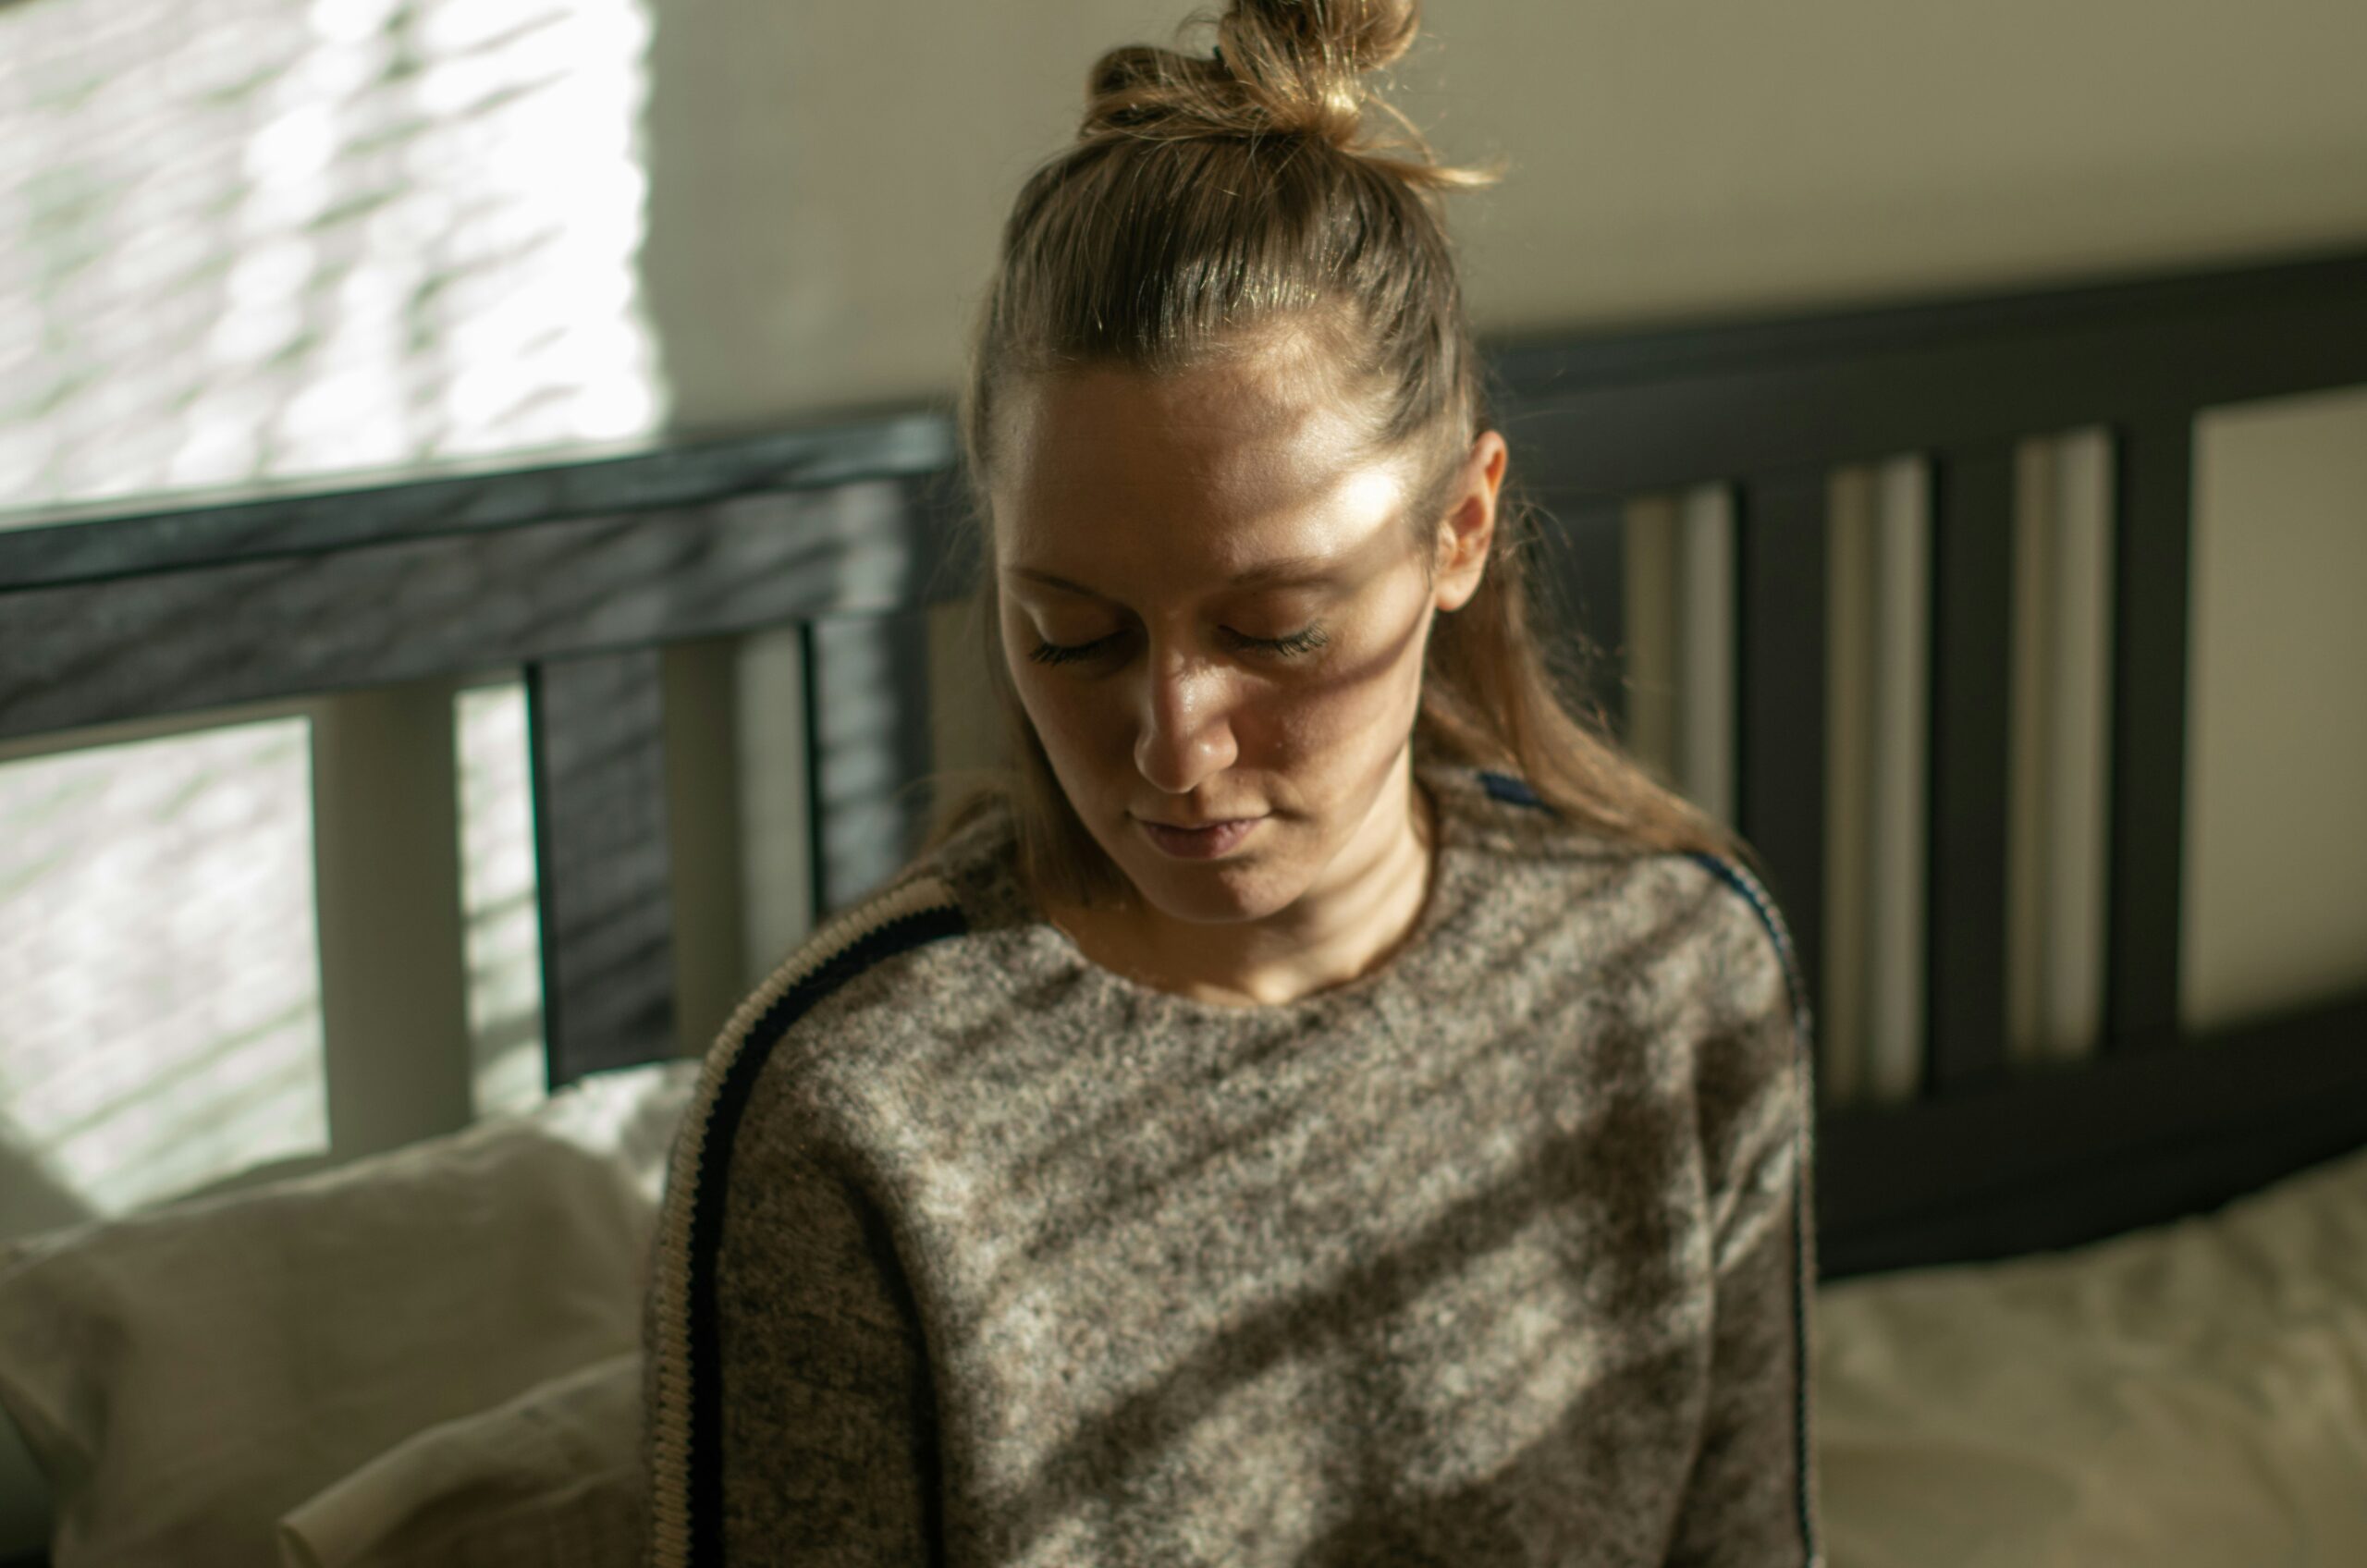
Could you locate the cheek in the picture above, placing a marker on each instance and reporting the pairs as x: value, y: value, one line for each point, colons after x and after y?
x: 1061, y: 721
x: 1367, y: 706
x: 1062, y: 710
x: 1365, y: 711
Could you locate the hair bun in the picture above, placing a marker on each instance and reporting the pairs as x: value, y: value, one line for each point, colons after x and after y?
x: 1280, y: 66
x: 1349, y: 37
x: 1139, y: 86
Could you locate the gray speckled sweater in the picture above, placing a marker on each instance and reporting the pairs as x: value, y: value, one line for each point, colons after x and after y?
x: 977, y: 1253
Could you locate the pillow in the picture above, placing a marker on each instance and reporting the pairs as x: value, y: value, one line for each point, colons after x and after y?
x: 188, y: 1375
x: 2189, y: 1393
x: 551, y: 1479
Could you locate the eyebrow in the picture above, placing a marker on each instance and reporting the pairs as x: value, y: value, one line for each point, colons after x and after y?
x: 1290, y: 571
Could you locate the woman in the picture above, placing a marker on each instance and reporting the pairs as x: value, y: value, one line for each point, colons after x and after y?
x: 1328, y: 1105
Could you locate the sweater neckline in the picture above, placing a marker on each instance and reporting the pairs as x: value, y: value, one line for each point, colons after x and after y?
x: 1054, y: 950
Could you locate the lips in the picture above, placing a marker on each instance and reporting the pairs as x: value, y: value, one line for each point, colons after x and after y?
x: 1218, y: 837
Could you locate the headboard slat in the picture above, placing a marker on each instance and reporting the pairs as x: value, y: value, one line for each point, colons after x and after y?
x: 867, y: 749
x: 1780, y: 554
x: 596, y: 735
x: 1970, y: 772
x: 2154, y: 541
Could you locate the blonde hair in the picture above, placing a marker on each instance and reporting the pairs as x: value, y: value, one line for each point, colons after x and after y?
x: 1210, y: 205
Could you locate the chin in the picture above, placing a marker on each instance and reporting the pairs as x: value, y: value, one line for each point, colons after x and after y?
x: 1213, y: 893
x: 1208, y: 900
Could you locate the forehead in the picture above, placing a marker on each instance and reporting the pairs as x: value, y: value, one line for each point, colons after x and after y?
x: 1195, y: 475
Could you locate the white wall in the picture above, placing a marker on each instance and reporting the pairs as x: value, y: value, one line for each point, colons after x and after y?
x: 827, y: 179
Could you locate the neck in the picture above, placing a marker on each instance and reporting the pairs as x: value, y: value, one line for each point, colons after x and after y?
x: 1356, y: 917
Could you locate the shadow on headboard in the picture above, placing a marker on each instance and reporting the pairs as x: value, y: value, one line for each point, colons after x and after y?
x: 583, y: 572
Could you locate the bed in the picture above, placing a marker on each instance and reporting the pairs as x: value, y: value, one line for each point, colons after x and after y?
x: 2111, y: 1307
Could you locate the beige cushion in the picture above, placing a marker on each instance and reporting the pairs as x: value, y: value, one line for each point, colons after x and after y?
x: 553, y: 1478
x: 188, y: 1375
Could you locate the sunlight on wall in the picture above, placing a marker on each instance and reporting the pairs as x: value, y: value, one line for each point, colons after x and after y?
x: 254, y: 240
x: 160, y: 1020
x: 497, y: 897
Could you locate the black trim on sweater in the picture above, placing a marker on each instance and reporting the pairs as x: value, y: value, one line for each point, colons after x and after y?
x: 901, y: 934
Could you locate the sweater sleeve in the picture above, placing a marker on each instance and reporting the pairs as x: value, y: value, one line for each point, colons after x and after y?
x: 828, y: 1445
x: 1750, y: 1496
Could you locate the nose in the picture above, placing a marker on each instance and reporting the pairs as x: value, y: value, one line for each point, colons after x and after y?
x: 1184, y: 735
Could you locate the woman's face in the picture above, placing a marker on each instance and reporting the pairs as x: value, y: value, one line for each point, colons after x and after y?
x: 1213, y: 610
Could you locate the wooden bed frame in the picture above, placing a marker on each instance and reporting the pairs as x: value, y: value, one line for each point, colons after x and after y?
x: 581, y: 573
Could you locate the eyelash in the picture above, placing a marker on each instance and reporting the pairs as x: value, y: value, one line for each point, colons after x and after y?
x: 1293, y: 646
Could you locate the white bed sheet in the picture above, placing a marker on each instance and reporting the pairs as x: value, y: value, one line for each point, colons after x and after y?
x: 2189, y: 1394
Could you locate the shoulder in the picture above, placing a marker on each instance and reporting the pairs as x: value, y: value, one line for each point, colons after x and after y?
x: 1744, y: 1047
x: 1718, y: 943
x: 915, y: 924
x: 1725, y: 966
x: 1503, y: 818
x: 877, y: 946
x: 846, y: 1013
x: 1753, y: 945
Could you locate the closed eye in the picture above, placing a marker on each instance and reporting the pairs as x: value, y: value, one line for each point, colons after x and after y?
x: 1297, y: 642
x: 1059, y: 653
x: 1293, y: 646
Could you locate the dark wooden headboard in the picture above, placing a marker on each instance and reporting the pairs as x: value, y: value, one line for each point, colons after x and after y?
x: 581, y: 573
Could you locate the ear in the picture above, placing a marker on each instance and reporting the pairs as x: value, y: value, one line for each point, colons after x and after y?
x: 1469, y: 526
